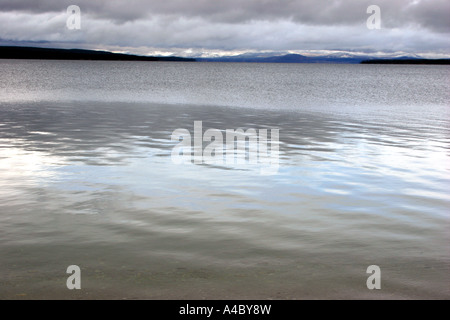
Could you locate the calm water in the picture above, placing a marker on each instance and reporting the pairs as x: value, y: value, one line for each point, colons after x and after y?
x: 86, y: 178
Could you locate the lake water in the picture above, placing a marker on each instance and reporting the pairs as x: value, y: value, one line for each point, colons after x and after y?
x: 87, y: 179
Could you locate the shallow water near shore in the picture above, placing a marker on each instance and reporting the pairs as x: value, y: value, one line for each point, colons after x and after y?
x: 87, y: 179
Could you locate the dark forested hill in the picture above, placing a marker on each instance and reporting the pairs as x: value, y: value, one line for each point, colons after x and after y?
x: 75, y: 54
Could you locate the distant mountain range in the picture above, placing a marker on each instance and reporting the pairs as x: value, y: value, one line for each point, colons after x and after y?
x: 75, y: 54
x: 12, y: 52
x: 407, y: 61
x: 335, y: 58
x: 284, y: 58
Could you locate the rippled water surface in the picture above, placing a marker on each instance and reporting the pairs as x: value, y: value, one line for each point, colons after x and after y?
x: 86, y: 178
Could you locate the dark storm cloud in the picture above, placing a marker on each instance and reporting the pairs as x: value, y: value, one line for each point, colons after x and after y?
x: 432, y: 14
x: 407, y: 25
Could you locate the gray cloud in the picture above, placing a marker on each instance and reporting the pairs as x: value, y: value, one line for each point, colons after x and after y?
x: 432, y: 14
x: 409, y: 25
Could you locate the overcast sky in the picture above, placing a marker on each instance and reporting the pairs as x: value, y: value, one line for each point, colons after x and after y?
x: 208, y: 27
